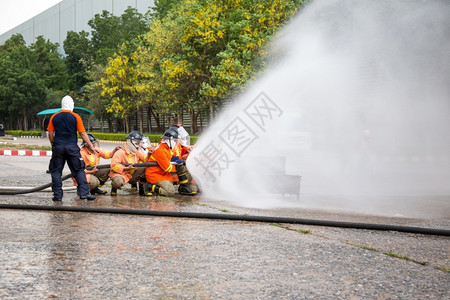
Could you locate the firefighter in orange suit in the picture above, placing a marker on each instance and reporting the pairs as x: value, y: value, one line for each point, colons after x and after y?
x: 122, y: 172
x: 180, y: 154
x: 95, y: 177
x: 159, y: 178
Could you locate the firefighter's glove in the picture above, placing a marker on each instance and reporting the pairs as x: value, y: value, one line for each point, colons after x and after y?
x: 178, y: 161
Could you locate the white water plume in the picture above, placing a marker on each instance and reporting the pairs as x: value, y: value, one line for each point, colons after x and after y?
x: 355, y: 107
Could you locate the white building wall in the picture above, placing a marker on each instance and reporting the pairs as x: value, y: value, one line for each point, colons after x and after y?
x: 70, y: 15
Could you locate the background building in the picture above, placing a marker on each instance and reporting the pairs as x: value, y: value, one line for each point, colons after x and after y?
x: 70, y: 15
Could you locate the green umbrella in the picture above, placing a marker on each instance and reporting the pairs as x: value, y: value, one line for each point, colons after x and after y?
x: 76, y: 109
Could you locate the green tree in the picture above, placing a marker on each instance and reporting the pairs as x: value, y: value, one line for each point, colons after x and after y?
x: 110, y: 35
x: 225, y: 42
x: 50, y: 64
x: 78, y: 58
x: 120, y: 82
x: 162, y: 7
x: 202, y: 51
x: 109, y: 32
x: 159, y: 43
x: 22, y: 88
x: 98, y: 102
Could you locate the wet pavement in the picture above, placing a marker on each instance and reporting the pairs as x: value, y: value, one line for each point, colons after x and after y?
x: 73, y: 255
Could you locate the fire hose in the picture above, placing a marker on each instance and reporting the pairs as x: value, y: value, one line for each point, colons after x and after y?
x: 266, y: 219
x: 39, y: 188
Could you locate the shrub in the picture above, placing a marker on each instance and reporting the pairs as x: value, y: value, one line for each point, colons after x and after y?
x: 22, y: 133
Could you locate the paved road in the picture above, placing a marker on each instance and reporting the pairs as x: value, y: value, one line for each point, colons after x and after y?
x: 70, y: 255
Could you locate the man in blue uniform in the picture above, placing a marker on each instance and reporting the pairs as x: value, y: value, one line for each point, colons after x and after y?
x: 63, y: 127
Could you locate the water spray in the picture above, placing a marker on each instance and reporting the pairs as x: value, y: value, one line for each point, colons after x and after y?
x: 355, y: 98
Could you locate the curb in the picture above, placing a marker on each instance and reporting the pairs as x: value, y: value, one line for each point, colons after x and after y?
x: 25, y: 153
x: 109, y: 142
x: 48, y: 152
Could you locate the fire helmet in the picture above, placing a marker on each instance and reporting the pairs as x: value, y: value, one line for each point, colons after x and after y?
x: 92, y: 138
x: 135, y: 135
x: 183, y: 135
x: 170, y: 137
x: 170, y: 133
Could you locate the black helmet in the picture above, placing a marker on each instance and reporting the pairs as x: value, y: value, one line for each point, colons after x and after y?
x: 135, y: 135
x: 91, y: 138
x: 170, y: 133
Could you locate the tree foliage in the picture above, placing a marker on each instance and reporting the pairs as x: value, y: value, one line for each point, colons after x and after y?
x: 29, y: 79
x: 109, y: 32
x: 120, y: 83
x: 78, y: 58
x: 183, y: 55
x: 197, y: 53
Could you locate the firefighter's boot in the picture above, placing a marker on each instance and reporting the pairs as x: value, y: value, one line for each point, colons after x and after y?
x: 184, y: 188
x: 88, y: 197
x: 134, y: 186
x: 141, y: 189
x: 113, y: 191
x: 142, y: 182
x: 102, y: 182
x: 151, y: 189
x: 98, y: 191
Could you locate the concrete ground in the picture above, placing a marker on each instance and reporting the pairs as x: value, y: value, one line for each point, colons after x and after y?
x: 73, y: 255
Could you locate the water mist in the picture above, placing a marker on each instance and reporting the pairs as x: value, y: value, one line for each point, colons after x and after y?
x: 353, y: 113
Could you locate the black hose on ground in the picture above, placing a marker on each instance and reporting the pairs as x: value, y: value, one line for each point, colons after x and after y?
x: 31, y: 190
x: 40, y: 188
x: 367, y: 226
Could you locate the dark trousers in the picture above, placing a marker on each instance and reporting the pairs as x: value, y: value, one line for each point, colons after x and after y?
x: 71, y: 154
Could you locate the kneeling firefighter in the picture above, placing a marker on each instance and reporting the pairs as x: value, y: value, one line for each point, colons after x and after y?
x: 122, y: 171
x: 95, y: 177
x: 159, y: 178
x: 180, y: 155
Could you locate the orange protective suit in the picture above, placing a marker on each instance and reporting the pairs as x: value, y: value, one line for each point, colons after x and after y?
x: 91, y: 160
x: 163, y: 170
x: 185, y: 152
x: 177, y: 151
x: 124, y: 156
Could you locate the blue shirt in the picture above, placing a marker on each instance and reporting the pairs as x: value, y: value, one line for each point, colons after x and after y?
x: 65, y: 124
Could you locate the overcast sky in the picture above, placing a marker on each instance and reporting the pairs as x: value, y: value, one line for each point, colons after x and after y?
x: 15, y: 12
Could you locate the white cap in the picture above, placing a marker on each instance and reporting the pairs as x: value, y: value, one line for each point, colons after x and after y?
x: 67, y: 103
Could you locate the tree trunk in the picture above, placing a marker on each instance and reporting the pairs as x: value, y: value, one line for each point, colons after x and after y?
x: 141, y: 120
x: 157, y: 119
x: 191, y: 116
x: 101, y: 123
x: 110, y: 125
x: 24, y: 119
x: 149, y: 119
x: 19, y: 123
x: 194, y: 117
x: 115, y: 125
x: 127, y: 124
x: 211, y: 109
